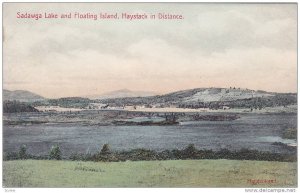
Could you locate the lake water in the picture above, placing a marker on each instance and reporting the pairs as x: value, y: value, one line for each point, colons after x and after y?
x: 251, y: 131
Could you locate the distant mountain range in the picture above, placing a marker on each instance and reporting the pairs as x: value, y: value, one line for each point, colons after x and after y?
x: 122, y: 94
x: 213, y: 98
x: 27, y: 96
x: 21, y: 95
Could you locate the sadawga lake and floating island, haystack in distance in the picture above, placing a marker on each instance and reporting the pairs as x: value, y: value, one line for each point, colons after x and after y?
x: 95, y: 16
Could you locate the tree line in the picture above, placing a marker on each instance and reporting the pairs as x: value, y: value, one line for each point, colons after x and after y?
x: 190, y: 152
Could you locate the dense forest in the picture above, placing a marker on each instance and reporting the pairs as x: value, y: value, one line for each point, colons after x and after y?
x: 16, y: 107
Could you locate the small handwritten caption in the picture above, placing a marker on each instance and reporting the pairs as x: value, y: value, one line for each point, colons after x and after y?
x: 261, y: 181
x: 100, y: 16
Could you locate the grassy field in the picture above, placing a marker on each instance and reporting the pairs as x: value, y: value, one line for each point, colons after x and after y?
x: 172, y: 173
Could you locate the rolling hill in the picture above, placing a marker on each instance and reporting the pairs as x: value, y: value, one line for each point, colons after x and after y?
x: 21, y: 95
x: 211, y: 98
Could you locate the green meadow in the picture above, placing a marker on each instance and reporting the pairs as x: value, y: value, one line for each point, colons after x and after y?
x: 170, y: 173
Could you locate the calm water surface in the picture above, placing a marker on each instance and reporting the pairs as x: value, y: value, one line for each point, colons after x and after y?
x: 250, y: 131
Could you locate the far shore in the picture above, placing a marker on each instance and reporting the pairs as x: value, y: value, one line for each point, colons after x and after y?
x: 287, y: 109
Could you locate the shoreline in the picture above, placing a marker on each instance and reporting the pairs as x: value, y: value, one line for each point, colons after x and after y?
x: 279, y: 109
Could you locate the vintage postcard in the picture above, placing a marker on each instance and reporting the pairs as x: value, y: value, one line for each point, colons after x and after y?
x: 150, y: 95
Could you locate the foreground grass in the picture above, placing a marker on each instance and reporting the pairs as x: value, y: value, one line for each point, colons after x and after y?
x: 171, y: 173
